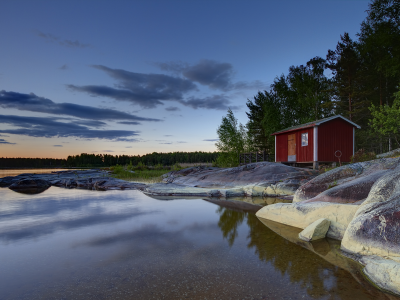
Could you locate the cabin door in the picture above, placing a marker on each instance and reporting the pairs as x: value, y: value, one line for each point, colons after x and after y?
x: 292, y: 147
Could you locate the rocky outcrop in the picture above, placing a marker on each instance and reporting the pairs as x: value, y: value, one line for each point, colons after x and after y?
x: 30, y: 186
x: 81, y: 179
x: 346, y: 184
x: 261, y: 179
x: 362, y: 202
x: 315, y: 231
x: 329, y: 250
x: 375, y: 228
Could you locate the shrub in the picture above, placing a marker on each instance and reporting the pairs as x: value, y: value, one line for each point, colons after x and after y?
x: 361, y: 155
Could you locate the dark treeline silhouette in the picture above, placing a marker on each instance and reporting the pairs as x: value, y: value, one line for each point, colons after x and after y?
x: 31, y: 162
x: 106, y: 160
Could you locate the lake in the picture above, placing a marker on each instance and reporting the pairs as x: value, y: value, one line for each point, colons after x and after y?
x: 81, y: 244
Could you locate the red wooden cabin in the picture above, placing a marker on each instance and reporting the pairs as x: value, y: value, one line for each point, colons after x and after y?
x: 321, y: 141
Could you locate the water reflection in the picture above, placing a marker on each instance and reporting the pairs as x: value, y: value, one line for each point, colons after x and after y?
x: 229, y: 220
x: 66, y: 244
x: 278, y: 245
x: 26, y: 217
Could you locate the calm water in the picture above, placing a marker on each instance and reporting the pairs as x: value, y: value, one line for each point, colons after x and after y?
x: 79, y: 244
x: 4, y: 173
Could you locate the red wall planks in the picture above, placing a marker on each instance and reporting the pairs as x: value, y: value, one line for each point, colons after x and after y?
x: 305, y: 153
x: 282, y: 147
x: 335, y: 135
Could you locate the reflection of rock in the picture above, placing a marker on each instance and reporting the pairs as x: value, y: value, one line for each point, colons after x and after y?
x: 30, y: 186
x: 256, y: 179
x: 315, y: 231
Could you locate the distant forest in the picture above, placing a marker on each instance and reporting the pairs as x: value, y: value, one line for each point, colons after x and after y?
x: 106, y: 160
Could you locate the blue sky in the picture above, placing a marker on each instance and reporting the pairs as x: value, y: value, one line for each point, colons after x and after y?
x: 134, y: 77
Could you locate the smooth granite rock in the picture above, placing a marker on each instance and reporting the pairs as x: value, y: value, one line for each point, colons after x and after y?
x: 347, y: 184
x: 385, y: 273
x: 261, y: 179
x: 315, y: 231
x: 300, y: 215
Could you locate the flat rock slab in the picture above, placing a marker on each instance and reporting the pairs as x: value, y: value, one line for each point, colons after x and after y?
x: 300, y: 215
x: 315, y: 231
x: 256, y: 179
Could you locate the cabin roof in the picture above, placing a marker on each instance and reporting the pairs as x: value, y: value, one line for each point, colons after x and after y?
x: 315, y: 123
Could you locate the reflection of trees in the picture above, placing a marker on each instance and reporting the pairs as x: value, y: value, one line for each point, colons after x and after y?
x: 229, y: 220
x: 303, y: 266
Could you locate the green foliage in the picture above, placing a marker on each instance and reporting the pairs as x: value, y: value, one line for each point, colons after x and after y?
x: 362, y: 155
x: 386, y: 119
x: 302, y: 96
x: 233, y: 140
x: 176, y: 167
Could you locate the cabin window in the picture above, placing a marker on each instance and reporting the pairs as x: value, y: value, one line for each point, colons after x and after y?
x: 304, y: 139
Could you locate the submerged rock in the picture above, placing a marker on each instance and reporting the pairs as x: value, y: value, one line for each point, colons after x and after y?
x: 315, y: 231
x: 30, y: 186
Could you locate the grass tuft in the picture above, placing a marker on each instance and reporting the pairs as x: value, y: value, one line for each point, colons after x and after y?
x: 142, y: 173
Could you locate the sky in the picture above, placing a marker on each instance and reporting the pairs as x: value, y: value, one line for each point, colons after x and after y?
x: 142, y: 76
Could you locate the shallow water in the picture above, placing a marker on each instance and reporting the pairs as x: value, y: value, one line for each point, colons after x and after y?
x: 15, y: 172
x: 80, y: 244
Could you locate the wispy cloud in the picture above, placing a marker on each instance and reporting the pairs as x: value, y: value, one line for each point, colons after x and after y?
x: 211, y: 73
x: 146, y: 90
x: 217, y: 102
x: 50, y: 127
x: 63, y: 42
x: 172, y: 108
x: 32, y: 102
x: 3, y: 141
x: 211, y: 140
x: 152, y: 90
x: 129, y: 123
x: 57, y: 145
